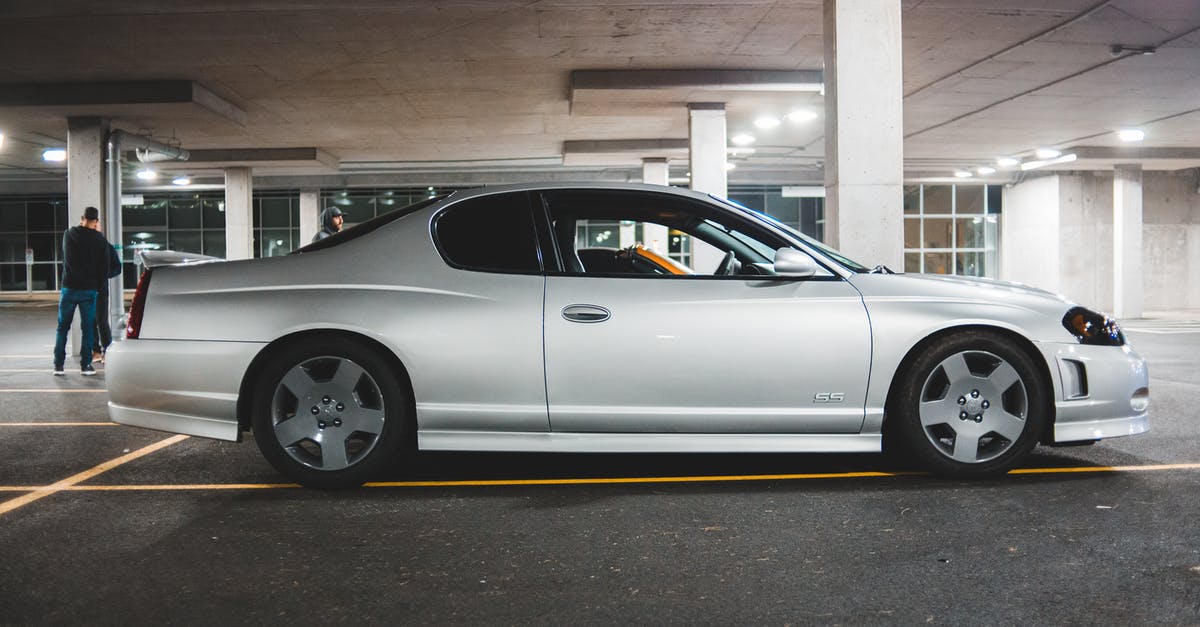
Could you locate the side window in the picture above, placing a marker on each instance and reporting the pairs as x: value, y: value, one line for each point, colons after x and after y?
x: 630, y: 233
x: 489, y: 233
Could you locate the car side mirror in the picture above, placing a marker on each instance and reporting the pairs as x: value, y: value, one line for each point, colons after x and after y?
x: 791, y: 262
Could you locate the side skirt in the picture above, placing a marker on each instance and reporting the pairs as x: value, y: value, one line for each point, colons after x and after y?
x: 543, y: 442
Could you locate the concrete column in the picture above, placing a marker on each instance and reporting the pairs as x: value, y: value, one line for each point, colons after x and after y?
x: 1030, y: 233
x: 85, y: 187
x: 864, y: 137
x: 310, y: 214
x: 654, y: 172
x: 1127, y: 240
x: 239, y: 224
x: 707, y: 157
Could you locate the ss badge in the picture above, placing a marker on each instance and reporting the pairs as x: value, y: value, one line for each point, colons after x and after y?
x: 829, y: 397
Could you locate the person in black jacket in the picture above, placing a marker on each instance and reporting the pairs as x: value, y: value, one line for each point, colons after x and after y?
x: 103, y: 335
x: 85, y: 267
x: 331, y: 222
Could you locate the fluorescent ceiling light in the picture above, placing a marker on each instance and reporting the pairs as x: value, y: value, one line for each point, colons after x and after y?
x: 1007, y: 162
x: 1033, y: 165
x: 181, y: 180
x: 54, y: 154
x: 729, y: 165
x: 1, y: 139
x: 146, y: 174
x: 1131, y: 134
x: 766, y: 122
x: 742, y: 139
x: 1046, y: 153
x: 802, y: 115
x: 963, y: 174
x: 985, y: 170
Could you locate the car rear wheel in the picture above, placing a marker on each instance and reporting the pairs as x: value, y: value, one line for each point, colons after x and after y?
x: 971, y: 404
x: 330, y: 414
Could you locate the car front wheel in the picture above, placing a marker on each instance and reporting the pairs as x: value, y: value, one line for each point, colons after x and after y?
x: 329, y: 414
x: 971, y: 404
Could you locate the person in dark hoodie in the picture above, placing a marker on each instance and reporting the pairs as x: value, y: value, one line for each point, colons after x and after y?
x: 331, y: 222
x: 85, y: 267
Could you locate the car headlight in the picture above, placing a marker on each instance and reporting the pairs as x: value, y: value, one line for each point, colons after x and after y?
x: 1090, y: 327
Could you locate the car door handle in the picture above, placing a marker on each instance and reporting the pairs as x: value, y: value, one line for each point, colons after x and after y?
x: 586, y: 313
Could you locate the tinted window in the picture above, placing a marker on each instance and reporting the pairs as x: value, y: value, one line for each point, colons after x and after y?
x: 493, y: 233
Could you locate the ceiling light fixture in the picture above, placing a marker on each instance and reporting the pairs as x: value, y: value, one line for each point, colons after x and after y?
x: 1131, y: 134
x: 54, y: 154
x: 729, y: 165
x: 742, y: 139
x: 766, y: 122
x: 1, y: 139
x: 1117, y: 50
x: 1046, y: 153
x: 181, y: 181
x: 963, y: 174
x: 985, y: 170
x: 1033, y: 165
x: 802, y: 115
x: 1007, y: 162
x: 146, y: 174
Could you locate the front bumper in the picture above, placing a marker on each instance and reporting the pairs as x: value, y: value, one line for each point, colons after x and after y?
x: 178, y: 386
x: 1099, y: 391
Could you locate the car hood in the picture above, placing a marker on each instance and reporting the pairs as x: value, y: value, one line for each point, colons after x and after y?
x: 937, y: 287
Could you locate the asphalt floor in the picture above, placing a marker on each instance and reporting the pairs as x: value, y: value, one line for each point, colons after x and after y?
x: 107, y: 524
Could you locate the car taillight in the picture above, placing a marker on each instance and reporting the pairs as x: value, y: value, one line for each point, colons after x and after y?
x: 134, y: 326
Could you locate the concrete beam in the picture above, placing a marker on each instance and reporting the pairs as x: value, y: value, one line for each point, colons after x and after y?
x: 716, y: 80
x: 83, y: 97
x: 255, y: 158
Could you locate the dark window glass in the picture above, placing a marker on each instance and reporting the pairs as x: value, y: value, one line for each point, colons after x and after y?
x: 751, y: 201
x: 152, y: 213
x: 214, y: 243
x: 185, y: 242
x: 12, y: 216
x: 185, y: 213
x: 45, y: 276
x: 276, y: 242
x: 214, y: 216
x: 39, y: 215
x: 492, y: 233
x: 43, y: 246
x: 276, y: 212
x: 994, y: 195
x: 12, y: 248
x: 61, y: 219
x: 912, y: 199
x: 12, y: 276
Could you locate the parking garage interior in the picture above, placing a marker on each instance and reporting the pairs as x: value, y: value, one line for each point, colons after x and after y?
x: 1054, y: 144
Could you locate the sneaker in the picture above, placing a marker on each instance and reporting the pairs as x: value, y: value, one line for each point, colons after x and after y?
x: 58, y: 371
x: 87, y: 371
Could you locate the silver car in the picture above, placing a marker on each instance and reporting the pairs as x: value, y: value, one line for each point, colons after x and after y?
x: 470, y: 323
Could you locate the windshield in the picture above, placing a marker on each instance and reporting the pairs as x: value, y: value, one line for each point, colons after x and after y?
x: 832, y: 254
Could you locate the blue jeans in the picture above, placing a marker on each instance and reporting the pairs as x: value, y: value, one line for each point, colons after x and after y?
x: 67, y: 302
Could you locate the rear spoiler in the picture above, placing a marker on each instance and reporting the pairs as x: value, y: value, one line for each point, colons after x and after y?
x: 156, y: 258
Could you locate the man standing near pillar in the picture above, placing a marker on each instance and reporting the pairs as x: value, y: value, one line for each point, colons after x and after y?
x: 85, y: 267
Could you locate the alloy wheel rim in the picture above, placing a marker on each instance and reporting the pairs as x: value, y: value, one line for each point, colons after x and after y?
x: 328, y: 413
x: 973, y: 406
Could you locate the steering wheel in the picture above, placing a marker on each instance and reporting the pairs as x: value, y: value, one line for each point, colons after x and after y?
x: 725, y: 268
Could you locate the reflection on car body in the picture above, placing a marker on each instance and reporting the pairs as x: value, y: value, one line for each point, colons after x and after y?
x: 482, y: 321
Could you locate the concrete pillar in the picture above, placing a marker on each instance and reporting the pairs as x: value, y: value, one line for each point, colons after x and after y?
x: 1127, y: 240
x: 864, y: 137
x: 239, y: 223
x: 85, y: 186
x: 310, y: 214
x: 1030, y: 233
x: 654, y: 236
x: 707, y: 157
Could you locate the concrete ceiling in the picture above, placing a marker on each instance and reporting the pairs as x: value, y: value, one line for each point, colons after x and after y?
x: 459, y: 86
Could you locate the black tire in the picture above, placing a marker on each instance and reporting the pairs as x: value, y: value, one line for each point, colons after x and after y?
x: 975, y: 423
x: 369, y: 424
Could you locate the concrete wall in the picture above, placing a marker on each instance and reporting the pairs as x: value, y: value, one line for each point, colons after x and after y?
x: 1057, y: 234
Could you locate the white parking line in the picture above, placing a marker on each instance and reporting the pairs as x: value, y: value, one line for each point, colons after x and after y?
x: 52, y: 390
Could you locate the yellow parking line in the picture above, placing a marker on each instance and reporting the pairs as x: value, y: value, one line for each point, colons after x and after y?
x: 596, y: 480
x: 49, y: 390
x: 58, y: 424
x: 44, y: 491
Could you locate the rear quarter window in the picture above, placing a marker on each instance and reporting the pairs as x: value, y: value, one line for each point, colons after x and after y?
x: 492, y: 233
